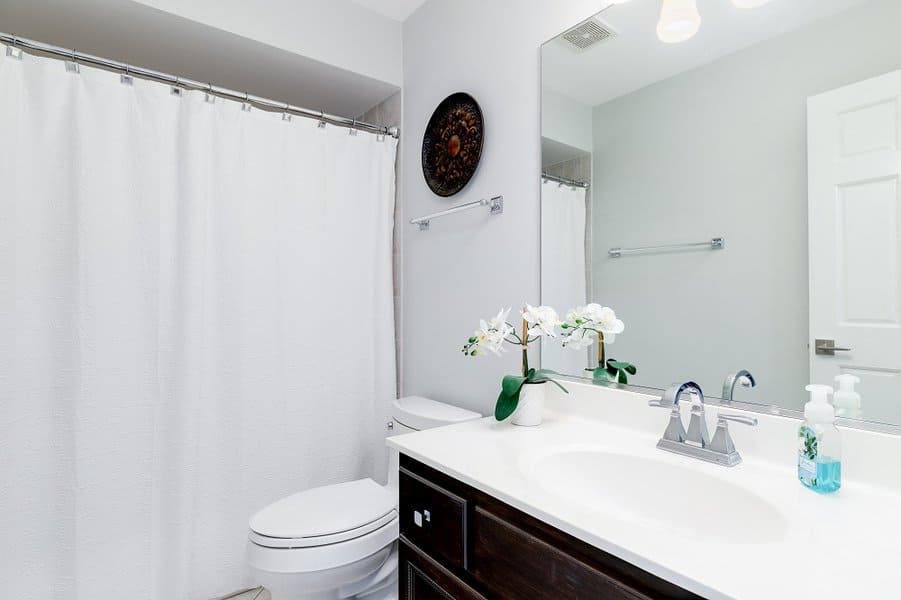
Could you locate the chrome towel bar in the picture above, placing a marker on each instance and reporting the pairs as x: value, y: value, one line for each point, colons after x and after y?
x: 717, y: 243
x: 495, y: 205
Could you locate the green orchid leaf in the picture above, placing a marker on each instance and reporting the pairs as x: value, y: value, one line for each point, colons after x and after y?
x: 506, y: 406
x: 512, y: 384
x: 508, y: 399
x: 622, y: 366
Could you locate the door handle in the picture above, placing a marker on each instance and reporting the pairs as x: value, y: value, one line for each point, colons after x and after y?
x: 828, y: 348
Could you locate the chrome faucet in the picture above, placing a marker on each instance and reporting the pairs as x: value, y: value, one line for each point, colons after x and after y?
x: 696, y: 441
x: 675, y: 431
x: 747, y: 380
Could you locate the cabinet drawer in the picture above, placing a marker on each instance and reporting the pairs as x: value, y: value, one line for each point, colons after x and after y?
x: 434, y: 519
x: 535, y: 569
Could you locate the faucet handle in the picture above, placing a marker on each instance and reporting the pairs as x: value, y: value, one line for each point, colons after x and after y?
x: 722, y: 440
x: 736, y: 419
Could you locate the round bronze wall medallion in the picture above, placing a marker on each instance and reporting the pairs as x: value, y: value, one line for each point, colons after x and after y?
x: 452, y: 144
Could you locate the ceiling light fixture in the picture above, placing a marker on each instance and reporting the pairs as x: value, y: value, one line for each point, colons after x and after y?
x: 679, y: 21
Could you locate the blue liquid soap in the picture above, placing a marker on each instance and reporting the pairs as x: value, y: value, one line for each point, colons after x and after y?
x: 828, y: 476
x: 819, y: 444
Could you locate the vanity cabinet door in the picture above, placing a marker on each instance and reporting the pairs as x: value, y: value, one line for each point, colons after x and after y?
x: 423, y: 578
x: 433, y: 518
x: 518, y: 564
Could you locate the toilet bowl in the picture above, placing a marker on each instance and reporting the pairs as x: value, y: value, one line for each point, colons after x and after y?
x: 340, y: 541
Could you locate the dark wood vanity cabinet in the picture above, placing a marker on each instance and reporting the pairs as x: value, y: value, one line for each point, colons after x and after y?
x: 459, y: 543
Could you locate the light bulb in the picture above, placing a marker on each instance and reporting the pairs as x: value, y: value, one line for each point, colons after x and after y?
x: 749, y: 3
x: 679, y: 21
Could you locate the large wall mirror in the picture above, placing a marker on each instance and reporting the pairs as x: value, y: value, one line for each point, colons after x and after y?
x: 734, y: 197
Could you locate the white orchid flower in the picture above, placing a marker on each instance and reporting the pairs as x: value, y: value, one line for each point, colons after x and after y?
x: 608, y: 324
x: 579, y: 339
x: 499, y: 322
x: 490, y: 336
x: 541, y: 319
x: 589, y: 320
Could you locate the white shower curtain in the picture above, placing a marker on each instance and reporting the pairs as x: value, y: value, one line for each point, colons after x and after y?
x: 195, y: 320
x: 562, y: 267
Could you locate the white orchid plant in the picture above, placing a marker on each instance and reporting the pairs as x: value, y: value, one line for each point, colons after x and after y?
x: 595, y: 323
x: 490, y: 337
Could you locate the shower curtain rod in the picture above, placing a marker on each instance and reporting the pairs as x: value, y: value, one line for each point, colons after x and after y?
x: 565, y: 181
x: 17, y: 43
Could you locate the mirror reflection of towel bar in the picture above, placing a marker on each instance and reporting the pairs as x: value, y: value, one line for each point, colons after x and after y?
x: 717, y: 243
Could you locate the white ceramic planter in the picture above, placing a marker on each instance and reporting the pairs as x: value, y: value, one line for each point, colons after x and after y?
x: 530, y: 410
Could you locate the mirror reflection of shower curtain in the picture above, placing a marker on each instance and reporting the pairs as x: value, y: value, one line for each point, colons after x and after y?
x: 563, y: 265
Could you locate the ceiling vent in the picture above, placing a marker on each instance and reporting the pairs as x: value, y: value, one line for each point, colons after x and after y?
x: 587, y: 35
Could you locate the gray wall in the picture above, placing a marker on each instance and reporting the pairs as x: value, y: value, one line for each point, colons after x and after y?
x: 721, y: 150
x: 470, y: 264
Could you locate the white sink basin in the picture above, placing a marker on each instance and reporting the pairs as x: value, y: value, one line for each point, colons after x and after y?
x: 656, y: 494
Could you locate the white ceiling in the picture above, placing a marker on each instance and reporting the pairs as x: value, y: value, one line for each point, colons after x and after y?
x: 636, y: 58
x: 134, y: 33
x: 398, y: 10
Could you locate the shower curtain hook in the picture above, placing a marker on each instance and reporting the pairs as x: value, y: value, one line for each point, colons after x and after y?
x: 321, y: 119
x: 246, y: 105
x: 209, y: 93
x: 14, y: 51
x: 127, y: 79
x: 353, y: 127
x: 72, y: 65
x: 285, y: 115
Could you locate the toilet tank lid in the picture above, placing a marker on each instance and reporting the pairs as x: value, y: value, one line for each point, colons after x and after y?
x: 417, y: 412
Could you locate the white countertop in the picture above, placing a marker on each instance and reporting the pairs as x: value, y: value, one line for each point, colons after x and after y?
x: 845, y: 545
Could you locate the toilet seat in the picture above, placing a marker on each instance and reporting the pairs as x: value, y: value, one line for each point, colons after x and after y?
x: 320, y: 558
x: 324, y: 527
x: 324, y: 511
x: 321, y: 540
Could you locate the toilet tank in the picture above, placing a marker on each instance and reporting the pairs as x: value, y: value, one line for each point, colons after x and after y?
x: 414, y: 413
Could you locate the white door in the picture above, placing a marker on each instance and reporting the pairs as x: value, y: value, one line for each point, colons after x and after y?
x: 854, y: 220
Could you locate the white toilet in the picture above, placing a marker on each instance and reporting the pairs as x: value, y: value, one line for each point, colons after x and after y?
x: 340, y: 541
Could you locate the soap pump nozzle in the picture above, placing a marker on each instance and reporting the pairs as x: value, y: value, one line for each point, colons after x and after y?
x: 846, y: 382
x: 818, y: 410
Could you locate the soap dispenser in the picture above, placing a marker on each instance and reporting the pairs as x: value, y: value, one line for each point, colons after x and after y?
x: 819, y: 444
x: 846, y: 399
